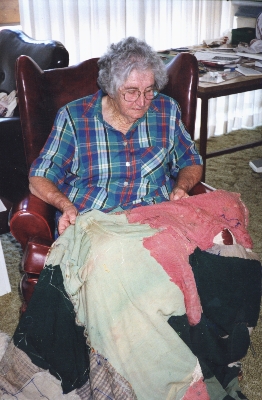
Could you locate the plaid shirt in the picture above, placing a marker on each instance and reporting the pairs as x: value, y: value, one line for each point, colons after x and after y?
x: 97, y: 167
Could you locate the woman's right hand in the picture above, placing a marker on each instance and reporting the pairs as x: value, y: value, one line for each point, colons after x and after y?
x: 67, y: 218
x: 48, y: 192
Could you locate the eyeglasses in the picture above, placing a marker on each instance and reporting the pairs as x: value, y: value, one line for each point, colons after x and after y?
x: 133, y: 94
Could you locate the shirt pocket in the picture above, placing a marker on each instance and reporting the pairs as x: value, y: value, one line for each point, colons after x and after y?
x: 154, y: 164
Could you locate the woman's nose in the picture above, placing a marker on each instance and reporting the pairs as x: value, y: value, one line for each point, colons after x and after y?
x: 141, y: 100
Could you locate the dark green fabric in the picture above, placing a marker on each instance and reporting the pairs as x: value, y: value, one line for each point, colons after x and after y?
x: 229, y: 289
x: 48, y: 334
x: 230, y: 292
x: 213, y: 354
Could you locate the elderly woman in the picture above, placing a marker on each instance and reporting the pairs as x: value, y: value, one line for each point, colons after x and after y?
x: 119, y: 147
x: 136, y: 300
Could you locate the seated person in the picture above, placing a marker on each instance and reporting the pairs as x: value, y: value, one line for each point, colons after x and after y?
x: 119, y: 147
x: 146, y: 278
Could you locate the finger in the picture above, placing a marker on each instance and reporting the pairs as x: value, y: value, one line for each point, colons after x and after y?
x: 62, y: 225
x: 72, y: 219
x: 178, y: 194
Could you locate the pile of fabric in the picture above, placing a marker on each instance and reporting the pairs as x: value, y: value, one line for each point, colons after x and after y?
x: 145, y: 304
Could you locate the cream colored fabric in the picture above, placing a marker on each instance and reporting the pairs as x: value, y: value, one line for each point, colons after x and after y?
x: 124, y: 298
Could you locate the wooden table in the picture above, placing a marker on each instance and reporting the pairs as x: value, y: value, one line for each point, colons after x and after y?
x: 207, y: 91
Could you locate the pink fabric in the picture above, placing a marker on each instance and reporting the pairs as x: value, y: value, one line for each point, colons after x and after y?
x: 186, y: 224
x: 197, y: 391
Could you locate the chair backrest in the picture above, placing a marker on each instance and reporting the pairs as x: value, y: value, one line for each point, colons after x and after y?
x: 14, y: 43
x: 42, y: 93
x: 182, y: 86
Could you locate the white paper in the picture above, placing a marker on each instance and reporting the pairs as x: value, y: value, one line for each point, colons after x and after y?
x: 211, y: 77
x: 2, y: 206
x: 4, y: 280
x: 249, y: 55
x: 213, y: 56
x: 248, y: 71
x: 218, y: 77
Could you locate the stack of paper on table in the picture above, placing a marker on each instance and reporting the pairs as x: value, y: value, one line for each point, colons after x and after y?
x: 248, y: 71
x: 250, y: 55
x: 217, y: 57
x: 218, y: 77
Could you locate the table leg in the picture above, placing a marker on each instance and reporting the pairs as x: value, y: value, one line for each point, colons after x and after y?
x: 203, y: 133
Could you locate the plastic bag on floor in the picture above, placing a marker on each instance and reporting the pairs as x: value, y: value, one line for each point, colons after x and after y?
x: 8, y: 104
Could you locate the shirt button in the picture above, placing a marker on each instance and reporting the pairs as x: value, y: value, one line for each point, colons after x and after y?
x: 125, y: 143
x: 128, y: 164
x: 125, y: 183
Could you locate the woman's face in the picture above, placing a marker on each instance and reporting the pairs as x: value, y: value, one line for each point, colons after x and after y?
x: 142, y: 81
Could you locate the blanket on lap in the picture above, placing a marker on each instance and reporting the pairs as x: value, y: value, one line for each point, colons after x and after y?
x: 134, y: 306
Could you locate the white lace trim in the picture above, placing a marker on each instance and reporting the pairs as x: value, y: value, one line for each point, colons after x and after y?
x: 197, y: 374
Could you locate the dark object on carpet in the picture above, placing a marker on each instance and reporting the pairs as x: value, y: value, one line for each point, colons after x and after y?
x: 41, y: 333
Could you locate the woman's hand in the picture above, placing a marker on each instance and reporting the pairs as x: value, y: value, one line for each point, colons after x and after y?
x: 48, y: 192
x: 186, y: 179
x: 177, y: 194
x: 67, y: 218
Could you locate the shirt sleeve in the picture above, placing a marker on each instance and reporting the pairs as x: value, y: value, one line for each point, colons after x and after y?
x: 185, y: 151
x: 57, y: 155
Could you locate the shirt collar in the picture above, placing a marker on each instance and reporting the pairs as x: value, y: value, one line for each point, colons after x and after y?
x: 94, y: 104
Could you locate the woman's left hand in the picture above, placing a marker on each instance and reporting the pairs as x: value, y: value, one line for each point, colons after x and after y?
x: 177, y: 194
x: 186, y: 179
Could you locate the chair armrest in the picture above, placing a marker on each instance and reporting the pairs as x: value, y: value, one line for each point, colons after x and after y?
x: 32, y: 217
x: 34, y: 255
x: 201, y: 188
